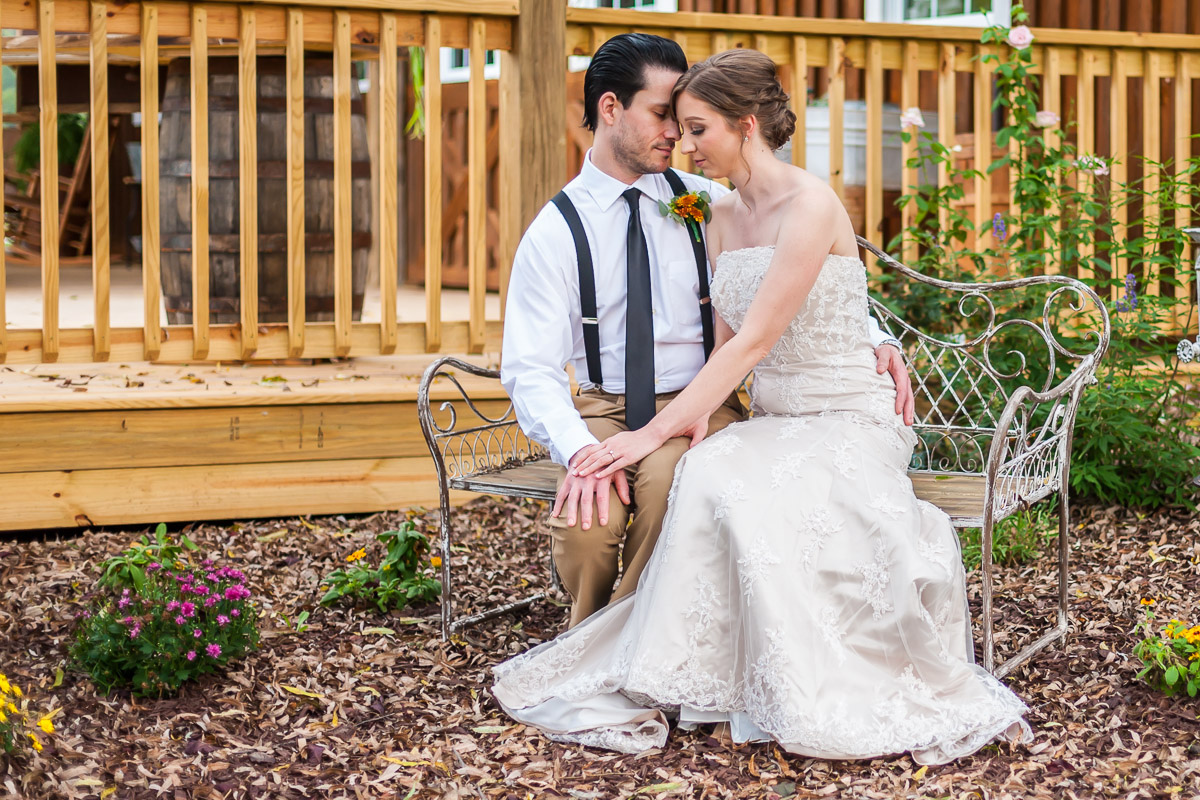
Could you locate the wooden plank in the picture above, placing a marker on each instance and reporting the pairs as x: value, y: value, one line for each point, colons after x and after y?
x: 1119, y: 136
x: 799, y: 99
x: 1152, y: 151
x: 433, y: 187
x: 151, y: 256
x: 983, y: 142
x: 389, y: 144
x: 679, y: 160
x: 720, y: 41
x: 85, y: 498
x: 343, y: 220
x: 874, y: 187
x: 837, y: 114
x: 295, y: 171
x: 199, y: 181
x: 1052, y: 101
x: 960, y: 496
x: 258, y: 434
x: 1183, y: 151
x: 910, y: 95
x: 946, y: 123
x: 101, y: 247
x: 477, y: 121
x: 48, y: 168
x: 248, y: 175
x: 1085, y: 104
x: 508, y: 172
x: 76, y: 345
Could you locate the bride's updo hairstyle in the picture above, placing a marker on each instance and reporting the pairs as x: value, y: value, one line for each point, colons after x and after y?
x: 739, y: 83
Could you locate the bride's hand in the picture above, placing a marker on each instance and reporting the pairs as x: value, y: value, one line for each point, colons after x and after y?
x: 617, y: 452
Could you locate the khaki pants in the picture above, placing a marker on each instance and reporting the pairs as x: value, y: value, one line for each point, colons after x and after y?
x: 587, y: 561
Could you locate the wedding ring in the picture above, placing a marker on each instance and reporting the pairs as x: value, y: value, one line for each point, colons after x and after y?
x: 610, y: 455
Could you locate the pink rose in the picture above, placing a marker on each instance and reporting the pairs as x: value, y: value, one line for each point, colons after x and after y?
x: 1046, y: 119
x: 1020, y: 37
x: 912, y: 117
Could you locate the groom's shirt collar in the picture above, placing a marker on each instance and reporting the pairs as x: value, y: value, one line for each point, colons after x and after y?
x: 606, y: 190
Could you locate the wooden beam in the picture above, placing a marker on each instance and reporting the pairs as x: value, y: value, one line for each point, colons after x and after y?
x: 983, y: 143
x: 837, y: 114
x: 799, y: 99
x: 1119, y: 172
x: 910, y: 96
x: 248, y: 175
x: 389, y: 144
x: 541, y: 37
x: 947, y: 104
x: 874, y: 154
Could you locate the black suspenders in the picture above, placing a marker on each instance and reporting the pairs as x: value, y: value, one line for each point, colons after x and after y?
x: 587, y: 281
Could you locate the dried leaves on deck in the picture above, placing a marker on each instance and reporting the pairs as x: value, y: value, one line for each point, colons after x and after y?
x: 364, y: 704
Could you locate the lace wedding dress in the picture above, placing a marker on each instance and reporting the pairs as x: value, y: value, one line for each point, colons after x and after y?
x: 799, y: 590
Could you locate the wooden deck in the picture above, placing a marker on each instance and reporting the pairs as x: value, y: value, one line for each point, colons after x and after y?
x: 95, y: 444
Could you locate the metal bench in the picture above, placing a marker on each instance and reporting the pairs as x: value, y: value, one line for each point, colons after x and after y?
x: 996, y: 403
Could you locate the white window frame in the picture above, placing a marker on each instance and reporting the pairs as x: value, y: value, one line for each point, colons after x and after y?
x: 453, y: 74
x: 661, y: 6
x: 893, y: 11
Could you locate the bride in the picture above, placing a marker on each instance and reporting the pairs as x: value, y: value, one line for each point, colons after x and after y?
x: 799, y: 591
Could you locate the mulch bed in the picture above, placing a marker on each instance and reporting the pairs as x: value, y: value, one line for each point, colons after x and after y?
x: 391, y: 711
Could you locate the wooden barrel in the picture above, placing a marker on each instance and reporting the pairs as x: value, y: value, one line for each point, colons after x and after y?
x: 224, y: 198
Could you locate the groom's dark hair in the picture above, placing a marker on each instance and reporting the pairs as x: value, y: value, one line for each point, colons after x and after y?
x: 619, y: 66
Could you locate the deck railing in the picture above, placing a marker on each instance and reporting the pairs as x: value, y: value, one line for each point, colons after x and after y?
x: 1088, y: 78
x: 352, y: 31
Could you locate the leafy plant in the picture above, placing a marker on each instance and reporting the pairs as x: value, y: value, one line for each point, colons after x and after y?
x: 1170, y: 657
x: 1017, y: 539
x: 28, y: 149
x: 176, y: 626
x: 128, y: 570
x: 1133, y: 440
x: 400, y: 579
x: 415, y: 128
x: 17, y: 725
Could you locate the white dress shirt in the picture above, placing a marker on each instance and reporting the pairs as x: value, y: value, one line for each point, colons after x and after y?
x: 543, y: 328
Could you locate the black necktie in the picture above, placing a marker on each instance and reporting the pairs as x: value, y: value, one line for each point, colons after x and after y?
x: 639, y: 324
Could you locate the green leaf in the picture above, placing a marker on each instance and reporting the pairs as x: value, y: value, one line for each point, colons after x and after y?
x: 1172, y: 675
x: 664, y: 209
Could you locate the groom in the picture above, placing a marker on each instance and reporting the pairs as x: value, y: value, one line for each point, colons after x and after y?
x: 603, y: 282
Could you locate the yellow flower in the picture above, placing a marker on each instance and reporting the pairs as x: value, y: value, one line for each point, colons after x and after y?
x: 17, y: 690
x: 12, y: 709
x: 3, y: 717
x: 46, y: 725
x: 436, y: 561
x: 385, y: 567
x: 4, y: 686
x: 357, y: 554
x: 37, y: 745
x: 1148, y: 601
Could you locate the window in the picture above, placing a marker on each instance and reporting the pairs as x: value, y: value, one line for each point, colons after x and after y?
x: 640, y: 5
x: 966, y: 13
x: 456, y: 65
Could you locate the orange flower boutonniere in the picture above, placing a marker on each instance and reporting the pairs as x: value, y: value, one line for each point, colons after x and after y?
x: 689, y: 210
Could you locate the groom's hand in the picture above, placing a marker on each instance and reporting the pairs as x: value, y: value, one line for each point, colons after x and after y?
x: 888, y: 358
x: 578, y: 495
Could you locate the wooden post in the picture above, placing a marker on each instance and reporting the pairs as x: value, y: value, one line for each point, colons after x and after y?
x: 1052, y: 101
x: 1152, y: 212
x: 541, y: 46
x: 910, y: 85
x: 837, y: 115
x: 48, y: 97
x: 389, y: 146
x: 98, y: 61
x: 1119, y: 136
x: 1183, y: 151
x: 295, y: 172
x: 343, y: 222
x: 433, y: 183
x: 248, y: 174
x: 199, y: 183
x: 983, y: 144
x: 800, y: 99
x: 477, y: 124
x: 874, y: 187
x: 151, y: 256
x: 1086, y: 108
x: 947, y: 74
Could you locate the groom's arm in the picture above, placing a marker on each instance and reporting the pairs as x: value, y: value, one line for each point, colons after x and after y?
x: 538, y: 343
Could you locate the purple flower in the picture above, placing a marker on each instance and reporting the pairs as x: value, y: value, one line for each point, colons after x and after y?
x: 999, y: 229
x: 211, y: 577
x: 213, y: 650
x: 235, y: 613
x: 210, y: 601
x: 153, y: 565
x: 180, y: 620
x: 208, y: 562
x: 135, y: 630
x: 123, y: 602
x: 197, y: 633
x: 222, y: 620
x: 191, y: 655
x: 189, y: 609
x: 200, y: 589
x: 1130, y: 301
x: 237, y: 592
x: 173, y: 605
x: 127, y: 621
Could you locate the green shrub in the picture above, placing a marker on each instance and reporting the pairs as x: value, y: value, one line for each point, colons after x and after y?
x: 1170, y: 657
x: 400, y: 579
x: 177, y: 625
